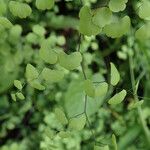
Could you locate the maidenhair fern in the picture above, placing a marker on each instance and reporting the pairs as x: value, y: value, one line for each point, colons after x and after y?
x: 56, y: 61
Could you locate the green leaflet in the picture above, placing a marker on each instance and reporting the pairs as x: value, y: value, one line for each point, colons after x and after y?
x: 70, y: 62
x: 114, y: 75
x: 5, y: 22
x: 60, y: 115
x: 102, y: 16
x: 39, y: 30
x: 77, y: 123
x: 144, y: 10
x: 47, y: 53
x: 96, y: 91
x: 19, y: 9
x: 44, y: 4
x: 118, y: 28
x: 114, y: 143
x: 20, y: 95
x: 118, y: 98
x: 31, y: 72
x: 13, y: 96
x: 32, y: 38
x: 143, y: 33
x: 86, y: 26
x: 117, y: 5
x: 18, y: 84
x: 89, y: 88
x: 64, y: 134
x: 134, y: 105
x: 51, y: 76
x: 32, y: 77
x: 36, y: 84
x: 15, y: 32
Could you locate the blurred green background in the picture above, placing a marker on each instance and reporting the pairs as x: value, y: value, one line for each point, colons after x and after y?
x: 27, y: 124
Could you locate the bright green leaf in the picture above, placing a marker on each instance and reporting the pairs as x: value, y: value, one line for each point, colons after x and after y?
x: 143, y: 33
x: 117, y: 5
x: 31, y: 72
x: 102, y: 16
x: 71, y: 61
x: 101, y: 89
x: 118, y: 28
x: 36, y: 84
x: 118, y: 98
x: 144, y: 10
x: 20, y: 9
x: 114, y: 75
x: 114, y: 143
x: 60, y: 115
x: 77, y: 123
x: 51, y: 76
x: 18, y: 84
x: 86, y: 26
x: 47, y: 53
x: 13, y: 96
x: 44, y: 4
x: 39, y: 30
x: 5, y: 22
x: 20, y: 95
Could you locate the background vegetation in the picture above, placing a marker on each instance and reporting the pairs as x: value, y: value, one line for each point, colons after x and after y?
x: 29, y: 124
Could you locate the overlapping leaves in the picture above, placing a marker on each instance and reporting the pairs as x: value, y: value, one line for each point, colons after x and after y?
x: 101, y: 18
x: 118, y: 28
x: 19, y: 9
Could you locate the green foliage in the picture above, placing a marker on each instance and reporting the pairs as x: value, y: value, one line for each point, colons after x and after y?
x: 134, y: 105
x: 144, y: 10
x: 114, y: 143
x: 31, y: 72
x: 4, y: 22
x: 47, y: 53
x: 61, y: 61
x: 60, y: 115
x: 71, y: 61
x: 18, y: 84
x: 97, y: 91
x: 20, y: 95
x: 143, y: 33
x: 118, y: 28
x: 101, y: 148
x: 102, y: 16
x: 44, y: 4
x: 114, y: 75
x: 52, y: 76
x: 118, y: 98
x: 86, y: 18
x: 117, y: 6
x: 19, y: 9
x: 77, y: 123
